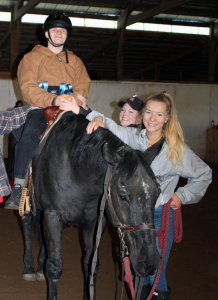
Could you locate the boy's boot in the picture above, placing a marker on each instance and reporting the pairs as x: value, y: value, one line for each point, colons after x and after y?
x: 14, y: 201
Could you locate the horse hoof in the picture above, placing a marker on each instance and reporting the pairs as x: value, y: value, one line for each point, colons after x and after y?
x: 40, y: 276
x: 29, y: 277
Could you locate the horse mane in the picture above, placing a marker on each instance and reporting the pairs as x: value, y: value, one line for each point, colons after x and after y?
x: 86, y: 149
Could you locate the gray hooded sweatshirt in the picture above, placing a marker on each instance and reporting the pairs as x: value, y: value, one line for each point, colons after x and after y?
x: 198, y: 174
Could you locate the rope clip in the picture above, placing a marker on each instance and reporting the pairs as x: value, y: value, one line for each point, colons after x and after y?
x: 121, y: 231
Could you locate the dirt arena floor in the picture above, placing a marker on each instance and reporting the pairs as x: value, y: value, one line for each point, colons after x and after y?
x: 192, y: 270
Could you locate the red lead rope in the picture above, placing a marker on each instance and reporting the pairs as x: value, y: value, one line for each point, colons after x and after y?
x: 128, y: 276
x: 162, y: 244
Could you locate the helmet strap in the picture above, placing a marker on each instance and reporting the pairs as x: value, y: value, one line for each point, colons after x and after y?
x: 65, y: 49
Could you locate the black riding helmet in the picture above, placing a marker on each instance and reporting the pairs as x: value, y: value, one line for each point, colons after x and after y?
x: 58, y: 20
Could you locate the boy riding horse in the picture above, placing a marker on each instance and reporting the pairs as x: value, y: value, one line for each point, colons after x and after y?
x: 44, y: 75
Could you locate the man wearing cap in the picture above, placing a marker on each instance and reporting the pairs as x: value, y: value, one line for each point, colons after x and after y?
x: 44, y: 75
x: 129, y: 115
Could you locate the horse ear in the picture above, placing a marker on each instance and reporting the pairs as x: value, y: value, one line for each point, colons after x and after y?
x: 112, y: 156
x: 109, y: 154
x: 152, y: 152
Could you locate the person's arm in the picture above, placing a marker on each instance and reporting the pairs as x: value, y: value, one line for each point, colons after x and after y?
x: 128, y: 135
x: 81, y: 79
x: 199, y: 177
x: 28, y: 79
x: 10, y: 120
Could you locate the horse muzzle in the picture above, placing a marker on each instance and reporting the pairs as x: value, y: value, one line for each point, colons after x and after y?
x: 144, y: 268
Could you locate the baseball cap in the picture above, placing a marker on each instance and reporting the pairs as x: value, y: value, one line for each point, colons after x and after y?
x: 134, y: 102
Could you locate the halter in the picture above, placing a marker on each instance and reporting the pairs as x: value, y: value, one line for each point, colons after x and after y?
x: 121, y: 230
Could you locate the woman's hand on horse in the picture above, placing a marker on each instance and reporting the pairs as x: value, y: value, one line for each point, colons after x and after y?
x: 176, y: 202
x: 92, y: 126
x: 69, y: 104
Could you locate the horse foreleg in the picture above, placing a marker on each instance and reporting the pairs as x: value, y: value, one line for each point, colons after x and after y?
x: 41, y: 261
x: 26, y: 225
x: 53, y: 230
x: 42, y: 254
x: 89, y: 242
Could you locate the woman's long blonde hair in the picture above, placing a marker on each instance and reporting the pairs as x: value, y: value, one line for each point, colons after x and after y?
x: 173, y: 131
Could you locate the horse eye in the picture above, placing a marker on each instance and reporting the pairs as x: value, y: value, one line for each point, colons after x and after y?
x: 123, y: 198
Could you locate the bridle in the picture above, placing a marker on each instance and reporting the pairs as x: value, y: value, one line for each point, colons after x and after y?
x: 121, y: 229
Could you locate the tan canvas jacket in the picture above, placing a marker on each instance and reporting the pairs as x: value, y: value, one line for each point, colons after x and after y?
x: 42, y: 65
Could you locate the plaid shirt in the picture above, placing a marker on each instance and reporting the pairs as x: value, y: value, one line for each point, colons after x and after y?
x: 10, y: 120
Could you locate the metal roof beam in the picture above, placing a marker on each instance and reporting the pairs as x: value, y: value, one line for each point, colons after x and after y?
x: 121, y: 21
x: 164, y: 6
x: 20, y: 10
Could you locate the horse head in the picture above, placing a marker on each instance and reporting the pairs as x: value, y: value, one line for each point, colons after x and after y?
x: 133, y: 192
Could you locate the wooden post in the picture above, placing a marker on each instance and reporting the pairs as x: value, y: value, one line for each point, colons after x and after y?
x: 211, y: 53
x: 15, y: 28
x: 121, y: 33
x: 121, y: 25
x: 119, y: 59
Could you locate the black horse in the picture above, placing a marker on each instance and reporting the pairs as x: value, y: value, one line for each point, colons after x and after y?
x: 69, y: 177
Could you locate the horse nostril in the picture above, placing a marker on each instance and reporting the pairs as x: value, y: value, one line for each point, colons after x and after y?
x: 145, y: 270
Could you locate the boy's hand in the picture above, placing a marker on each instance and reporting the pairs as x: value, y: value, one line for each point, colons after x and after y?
x: 80, y: 100
x: 69, y: 104
x: 83, y: 100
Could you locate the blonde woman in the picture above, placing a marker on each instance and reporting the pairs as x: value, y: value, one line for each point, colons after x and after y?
x: 174, y: 160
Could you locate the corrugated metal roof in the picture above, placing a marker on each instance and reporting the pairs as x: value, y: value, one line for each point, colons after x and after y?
x: 7, y: 2
x: 115, y: 12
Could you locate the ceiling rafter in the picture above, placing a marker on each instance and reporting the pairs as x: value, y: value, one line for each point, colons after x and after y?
x: 164, y: 6
x: 20, y: 10
x: 121, y: 21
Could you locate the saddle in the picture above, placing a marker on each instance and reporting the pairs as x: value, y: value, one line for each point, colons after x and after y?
x: 27, y: 203
x: 51, y: 113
